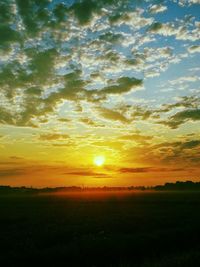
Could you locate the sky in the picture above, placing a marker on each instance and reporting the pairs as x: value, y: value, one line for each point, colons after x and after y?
x: 81, y: 79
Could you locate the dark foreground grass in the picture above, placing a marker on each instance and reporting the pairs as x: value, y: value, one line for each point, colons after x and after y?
x: 149, y: 229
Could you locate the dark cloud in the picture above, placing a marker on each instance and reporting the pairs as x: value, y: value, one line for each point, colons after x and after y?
x: 111, y: 37
x: 135, y: 170
x: 60, y: 12
x: 180, y: 144
x: 34, y: 105
x: 59, y: 169
x: 53, y: 136
x: 143, y: 113
x: 12, y: 172
x: 6, y: 116
x: 91, y: 122
x: 88, y: 121
x: 33, y: 91
x: 85, y: 9
x: 64, y: 120
x: 90, y: 173
x: 5, y: 12
x: 192, y: 113
x: 8, y: 35
x: 34, y: 14
x: 11, y: 76
x: 184, y: 151
x: 155, y: 27
x: 69, y: 143
x: 41, y: 64
x: 136, y: 137
x: 194, y: 49
x: 123, y: 85
x: 185, y: 101
x: 149, y: 169
x: 112, y: 115
x: 190, y: 144
x: 16, y: 158
x: 182, y: 117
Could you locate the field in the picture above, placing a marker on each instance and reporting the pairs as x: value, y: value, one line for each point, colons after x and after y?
x: 143, y: 229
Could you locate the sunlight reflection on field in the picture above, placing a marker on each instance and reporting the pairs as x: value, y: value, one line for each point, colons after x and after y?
x: 98, y: 195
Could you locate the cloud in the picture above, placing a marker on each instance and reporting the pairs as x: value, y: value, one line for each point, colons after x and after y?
x: 181, y: 117
x: 84, y: 10
x: 142, y: 113
x: 194, y: 49
x: 180, y: 144
x: 53, y: 136
x: 85, y: 172
x: 188, y: 2
x: 133, y: 19
x: 88, y: 121
x: 63, y: 144
x: 149, y: 169
x: 129, y: 113
x: 185, y: 102
x: 154, y: 9
x: 33, y: 105
x: 6, y: 116
x: 60, y: 168
x: 137, y: 112
x: 8, y: 35
x: 184, y: 79
x: 156, y: 27
x: 33, y: 19
x: 136, y: 137
x: 111, y: 37
x: 112, y: 115
x: 11, y: 172
x: 42, y: 63
x: 91, y: 122
x: 16, y: 158
x: 183, y: 152
x: 190, y: 144
x: 194, y: 2
x: 135, y: 170
x: 123, y: 85
x: 64, y: 120
x: 179, y: 29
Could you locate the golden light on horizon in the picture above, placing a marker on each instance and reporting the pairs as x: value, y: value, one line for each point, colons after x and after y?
x: 99, y: 160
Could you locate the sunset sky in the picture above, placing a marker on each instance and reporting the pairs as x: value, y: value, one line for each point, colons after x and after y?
x: 115, y: 79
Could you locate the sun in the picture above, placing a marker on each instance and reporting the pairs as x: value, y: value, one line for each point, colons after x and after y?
x: 99, y: 160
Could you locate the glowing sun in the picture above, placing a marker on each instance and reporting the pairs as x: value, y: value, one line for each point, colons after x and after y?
x: 99, y: 160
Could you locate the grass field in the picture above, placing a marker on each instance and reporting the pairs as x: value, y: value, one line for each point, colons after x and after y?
x: 146, y: 229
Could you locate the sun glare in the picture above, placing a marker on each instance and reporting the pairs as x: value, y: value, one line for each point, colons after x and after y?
x: 99, y: 160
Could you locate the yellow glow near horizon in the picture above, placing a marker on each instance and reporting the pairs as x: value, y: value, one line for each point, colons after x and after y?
x: 99, y: 160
